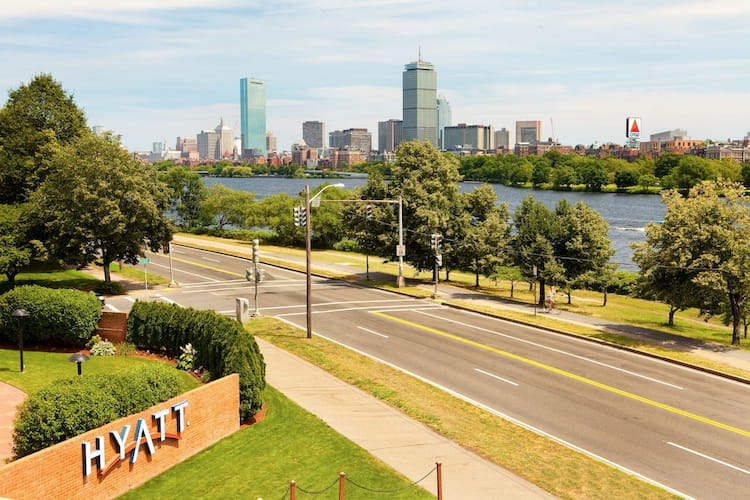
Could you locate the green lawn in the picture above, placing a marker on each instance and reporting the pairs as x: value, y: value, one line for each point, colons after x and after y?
x: 52, y: 279
x: 42, y: 368
x: 260, y: 460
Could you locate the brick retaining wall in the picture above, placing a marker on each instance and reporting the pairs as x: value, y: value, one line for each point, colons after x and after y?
x: 113, y: 326
x: 58, y: 472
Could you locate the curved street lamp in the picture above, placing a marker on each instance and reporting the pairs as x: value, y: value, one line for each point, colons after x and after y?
x: 308, y: 248
x: 20, y: 315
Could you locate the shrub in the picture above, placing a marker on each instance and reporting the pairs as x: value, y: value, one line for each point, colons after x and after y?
x: 187, y: 358
x: 66, y: 316
x: 346, y: 245
x: 93, y: 341
x: 223, y: 345
x: 109, y: 288
x: 103, y: 348
x: 71, y: 406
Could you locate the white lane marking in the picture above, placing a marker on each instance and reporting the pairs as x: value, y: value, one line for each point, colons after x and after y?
x: 496, y: 377
x: 505, y: 416
x: 168, y: 301
x: 213, y: 283
x: 541, y: 346
x: 185, y: 272
x: 373, y: 332
x: 334, y: 303
x: 708, y: 458
x: 131, y: 299
x: 211, y: 260
x: 111, y: 308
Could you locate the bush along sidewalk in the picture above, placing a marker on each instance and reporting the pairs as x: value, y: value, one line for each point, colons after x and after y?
x: 222, y: 346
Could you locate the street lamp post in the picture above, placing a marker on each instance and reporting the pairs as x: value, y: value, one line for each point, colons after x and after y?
x: 308, y: 251
x: 20, y: 315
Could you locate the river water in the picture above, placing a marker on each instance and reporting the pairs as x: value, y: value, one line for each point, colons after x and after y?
x: 627, y: 214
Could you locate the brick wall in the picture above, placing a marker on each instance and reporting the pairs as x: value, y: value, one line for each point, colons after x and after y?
x: 112, y: 326
x: 57, y: 472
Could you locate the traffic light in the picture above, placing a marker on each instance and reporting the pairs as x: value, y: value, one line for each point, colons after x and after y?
x: 369, y: 212
x: 436, y: 242
x: 256, y: 251
x: 249, y: 272
x: 300, y: 216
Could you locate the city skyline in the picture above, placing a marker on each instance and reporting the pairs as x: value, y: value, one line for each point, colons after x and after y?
x: 149, y: 72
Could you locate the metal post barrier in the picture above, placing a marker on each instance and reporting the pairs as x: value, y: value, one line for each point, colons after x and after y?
x: 439, y: 480
x: 292, y: 490
x: 342, y: 481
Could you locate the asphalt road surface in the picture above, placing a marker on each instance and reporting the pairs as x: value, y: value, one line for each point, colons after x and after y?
x: 683, y: 430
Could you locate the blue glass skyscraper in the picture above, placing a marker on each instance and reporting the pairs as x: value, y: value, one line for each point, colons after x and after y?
x: 253, y: 116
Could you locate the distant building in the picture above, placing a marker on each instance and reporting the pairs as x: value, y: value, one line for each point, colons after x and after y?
x: 253, y: 116
x: 444, y: 118
x: 226, y: 141
x: 304, y: 155
x: 336, y: 139
x: 528, y: 131
x: 314, y: 133
x: 420, y: 102
x: 97, y: 130
x: 502, y: 138
x: 271, y: 143
x: 390, y: 135
x: 354, y: 139
x: 670, y: 135
x: 463, y: 136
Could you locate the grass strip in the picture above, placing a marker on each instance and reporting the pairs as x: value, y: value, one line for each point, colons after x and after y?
x: 43, y: 367
x: 288, y: 444
x: 556, y: 468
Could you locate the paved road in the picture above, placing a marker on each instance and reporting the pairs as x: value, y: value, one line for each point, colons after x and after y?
x: 676, y: 427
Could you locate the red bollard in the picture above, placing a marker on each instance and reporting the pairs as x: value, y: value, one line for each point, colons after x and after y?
x: 342, y: 478
x: 292, y: 490
x: 439, y: 480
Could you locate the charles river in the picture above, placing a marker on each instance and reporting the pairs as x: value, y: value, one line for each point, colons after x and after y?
x: 627, y: 214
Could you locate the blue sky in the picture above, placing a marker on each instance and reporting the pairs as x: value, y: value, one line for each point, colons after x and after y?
x: 154, y: 70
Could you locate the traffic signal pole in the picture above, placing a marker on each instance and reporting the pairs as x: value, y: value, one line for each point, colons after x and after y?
x: 308, y: 251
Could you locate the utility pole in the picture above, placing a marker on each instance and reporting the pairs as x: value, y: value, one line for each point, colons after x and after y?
x: 308, y: 250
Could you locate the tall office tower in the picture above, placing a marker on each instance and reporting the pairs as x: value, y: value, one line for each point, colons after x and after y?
x: 271, y: 142
x: 390, y: 134
x: 502, y: 138
x: 336, y: 139
x: 358, y: 139
x: 314, y: 133
x: 471, y: 136
x: 443, y: 118
x: 420, y: 102
x: 97, y: 130
x: 528, y: 132
x: 226, y: 140
x: 208, y: 144
x: 253, y: 116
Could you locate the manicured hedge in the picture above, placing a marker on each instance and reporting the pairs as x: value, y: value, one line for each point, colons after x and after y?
x: 67, y: 316
x: 223, y: 345
x: 71, y: 406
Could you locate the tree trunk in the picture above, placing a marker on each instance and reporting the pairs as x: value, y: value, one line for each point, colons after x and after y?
x: 512, y: 286
x: 11, y: 278
x: 735, y: 301
x: 604, y: 302
x: 476, y: 279
x: 672, y: 310
x: 569, y: 296
x: 541, y: 292
x: 105, y: 264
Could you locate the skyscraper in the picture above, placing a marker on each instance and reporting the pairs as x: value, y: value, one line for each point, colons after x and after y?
x: 313, y: 133
x: 528, y: 132
x: 390, y: 134
x: 443, y: 119
x: 253, y: 116
x: 420, y: 102
x: 502, y: 138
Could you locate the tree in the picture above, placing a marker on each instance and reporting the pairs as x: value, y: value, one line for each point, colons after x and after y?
x: 627, y: 177
x: 592, y: 173
x: 276, y: 212
x: 17, y: 250
x: 100, y: 203
x: 665, y: 164
x: 187, y: 192
x: 35, y: 116
x: 536, y: 229
x: 583, y: 249
x: 701, y: 251
x: 225, y: 206
x: 428, y: 182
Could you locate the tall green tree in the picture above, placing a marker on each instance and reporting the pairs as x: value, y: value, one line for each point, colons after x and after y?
x: 100, y: 203
x: 536, y: 230
x: 428, y: 182
x: 701, y: 251
x: 36, y: 116
x: 225, y: 206
x: 17, y: 249
x: 187, y: 192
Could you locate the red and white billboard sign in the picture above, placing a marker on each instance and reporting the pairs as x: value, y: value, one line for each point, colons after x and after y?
x: 633, y: 127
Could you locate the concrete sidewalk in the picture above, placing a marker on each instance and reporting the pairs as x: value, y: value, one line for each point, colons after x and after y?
x: 404, y: 444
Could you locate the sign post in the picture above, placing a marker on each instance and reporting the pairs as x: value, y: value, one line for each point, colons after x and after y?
x: 145, y: 271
